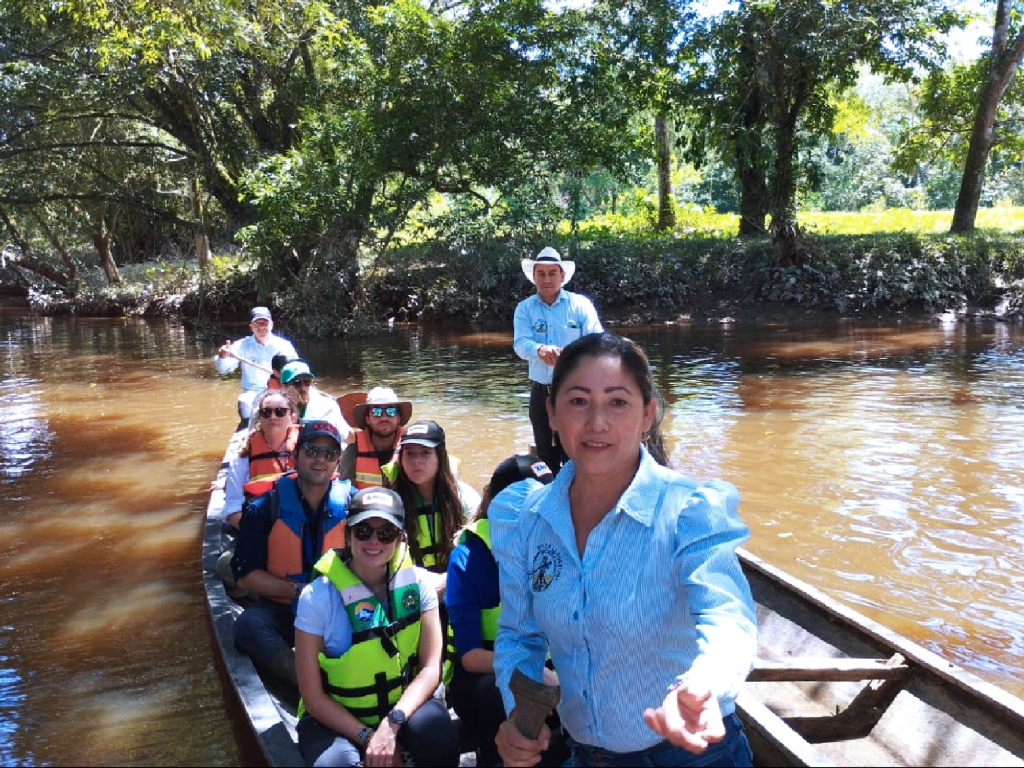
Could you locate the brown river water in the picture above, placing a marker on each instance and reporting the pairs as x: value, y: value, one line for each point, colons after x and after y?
x: 880, y: 463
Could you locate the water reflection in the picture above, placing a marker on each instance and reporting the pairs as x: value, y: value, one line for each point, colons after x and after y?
x: 881, y: 464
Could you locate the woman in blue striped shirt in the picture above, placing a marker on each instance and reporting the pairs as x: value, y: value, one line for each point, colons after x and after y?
x: 626, y: 572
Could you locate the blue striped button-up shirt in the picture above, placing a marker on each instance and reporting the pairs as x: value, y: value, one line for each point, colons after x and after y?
x: 659, y: 593
x: 535, y: 323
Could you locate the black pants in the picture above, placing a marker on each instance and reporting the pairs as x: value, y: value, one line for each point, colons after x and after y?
x: 477, y: 702
x: 429, y: 734
x: 542, y: 437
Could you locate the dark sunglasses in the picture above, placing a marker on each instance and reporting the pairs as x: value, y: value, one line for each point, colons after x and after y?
x: 385, y: 534
x: 279, y: 412
x: 316, y: 451
x: 378, y: 411
x: 300, y: 383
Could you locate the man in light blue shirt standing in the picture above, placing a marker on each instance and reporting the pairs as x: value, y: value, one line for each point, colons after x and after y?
x: 544, y: 323
x: 254, y: 353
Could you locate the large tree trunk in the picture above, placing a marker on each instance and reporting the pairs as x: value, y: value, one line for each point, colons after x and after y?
x: 784, y: 228
x: 55, y: 241
x: 753, y: 202
x: 666, y: 200
x: 202, y: 241
x: 1003, y: 63
x: 750, y: 164
x: 101, y: 239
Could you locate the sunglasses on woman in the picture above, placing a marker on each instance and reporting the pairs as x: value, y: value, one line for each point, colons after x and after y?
x: 385, y: 534
x: 378, y: 411
x: 316, y: 451
x: 266, y: 412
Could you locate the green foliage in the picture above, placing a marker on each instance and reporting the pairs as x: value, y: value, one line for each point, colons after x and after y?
x: 764, y: 78
x: 948, y: 100
x: 643, y: 279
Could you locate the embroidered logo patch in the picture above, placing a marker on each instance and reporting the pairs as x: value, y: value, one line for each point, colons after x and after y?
x: 410, y: 600
x: 364, y: 612
x: 540, y: 326
x: 547, y: 566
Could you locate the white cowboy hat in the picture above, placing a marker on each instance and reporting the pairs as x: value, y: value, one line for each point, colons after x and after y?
x: 549, y: 256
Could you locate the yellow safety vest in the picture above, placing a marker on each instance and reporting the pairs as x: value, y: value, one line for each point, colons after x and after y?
x: 370, y: 677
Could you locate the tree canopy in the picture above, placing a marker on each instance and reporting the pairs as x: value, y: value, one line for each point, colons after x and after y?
x: 311, y: 132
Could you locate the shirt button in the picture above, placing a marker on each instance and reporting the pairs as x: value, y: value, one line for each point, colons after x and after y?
x: 575, y: 615
x: 584, y: 694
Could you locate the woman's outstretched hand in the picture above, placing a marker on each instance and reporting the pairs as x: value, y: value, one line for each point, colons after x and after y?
x: 689, y: 717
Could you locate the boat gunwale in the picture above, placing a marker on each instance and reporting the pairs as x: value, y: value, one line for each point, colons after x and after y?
x: 271, y: 725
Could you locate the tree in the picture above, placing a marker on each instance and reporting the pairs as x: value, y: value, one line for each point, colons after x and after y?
x: 645, y: 37
x: 77, y: 164
x: 771, y: 72
x: 727, y: 112
x: 1002, y: 63
x: 488, y: 99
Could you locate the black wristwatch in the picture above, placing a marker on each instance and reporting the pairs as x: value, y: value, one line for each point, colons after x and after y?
x: 397, y: 717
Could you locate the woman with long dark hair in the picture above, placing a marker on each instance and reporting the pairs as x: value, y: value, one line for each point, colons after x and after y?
x: 626, y: 572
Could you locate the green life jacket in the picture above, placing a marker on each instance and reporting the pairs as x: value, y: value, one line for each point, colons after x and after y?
x: 369, y: 678
x: 488, y: 616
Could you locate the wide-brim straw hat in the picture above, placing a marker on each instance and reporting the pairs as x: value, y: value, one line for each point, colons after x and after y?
x: 549, y: 256
x: 381, y: 396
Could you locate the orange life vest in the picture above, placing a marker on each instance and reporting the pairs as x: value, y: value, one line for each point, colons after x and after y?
x: 290, y: 552
x: 266, y: 464
x: 368, y: 472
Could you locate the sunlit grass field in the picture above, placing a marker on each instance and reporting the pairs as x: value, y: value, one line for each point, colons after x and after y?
x: 902, y: 220
x: 708, y: 224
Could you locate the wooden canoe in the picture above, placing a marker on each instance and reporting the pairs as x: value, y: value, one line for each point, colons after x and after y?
x: 263, y: 716
x: 831, y: 687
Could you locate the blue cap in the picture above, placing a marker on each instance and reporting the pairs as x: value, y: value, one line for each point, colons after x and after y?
x: 295, y: 368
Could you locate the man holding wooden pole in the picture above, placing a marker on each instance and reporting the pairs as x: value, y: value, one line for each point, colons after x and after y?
x: 255, y: 353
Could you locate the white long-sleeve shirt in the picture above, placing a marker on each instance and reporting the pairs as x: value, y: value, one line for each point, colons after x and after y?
x: 253, y: 379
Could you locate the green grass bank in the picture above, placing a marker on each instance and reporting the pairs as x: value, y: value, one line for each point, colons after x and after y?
x: 631, y: 273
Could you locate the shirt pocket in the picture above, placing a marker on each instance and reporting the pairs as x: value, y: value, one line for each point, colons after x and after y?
x: 566, y: 334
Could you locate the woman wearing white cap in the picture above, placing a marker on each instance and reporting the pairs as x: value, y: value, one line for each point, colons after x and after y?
x: 368, y: 649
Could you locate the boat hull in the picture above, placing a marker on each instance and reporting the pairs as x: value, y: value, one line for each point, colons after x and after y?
x: 902, y: 704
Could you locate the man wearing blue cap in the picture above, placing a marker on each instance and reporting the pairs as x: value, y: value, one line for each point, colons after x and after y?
x: 314, y: 405
x: 281, y: 536
x: 255, y: 354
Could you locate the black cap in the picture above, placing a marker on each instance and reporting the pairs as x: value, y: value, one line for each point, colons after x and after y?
x: 428, y: 433
x: 311, y: 429
x: 516, y: 468
x: 376, y: 502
